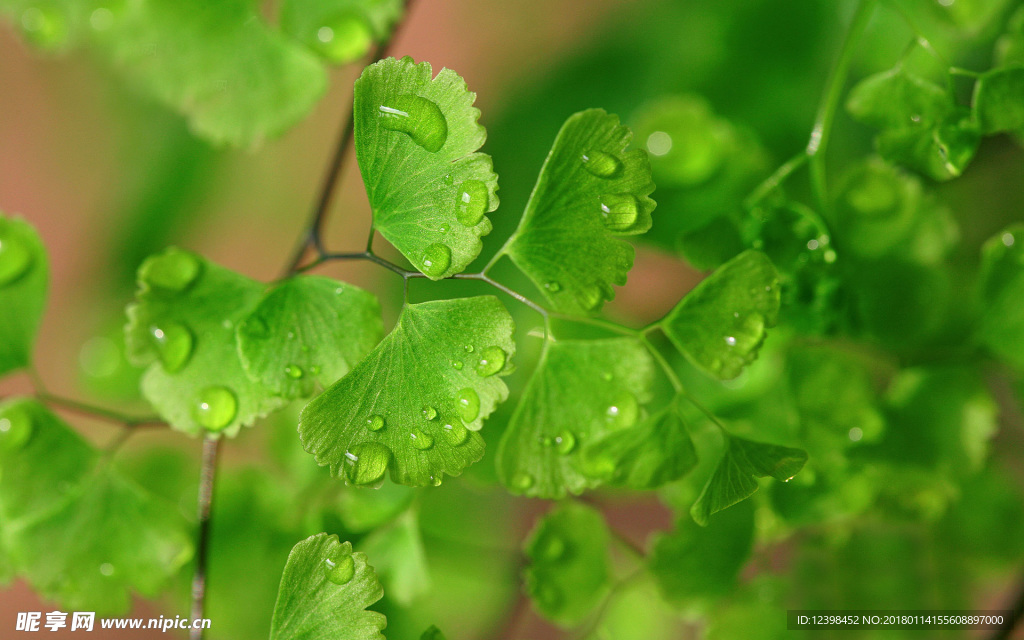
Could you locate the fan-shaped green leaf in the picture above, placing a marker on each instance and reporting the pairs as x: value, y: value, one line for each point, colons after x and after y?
x: 416, y: 140
x: 24, y: 274
x: 340, y: 30
x: 999, y: 100
x: 183, y: 326
x: 415, y: 403
x: 589, y: 191
x: 581, y: 391
x: 569, y: 570
x: 324, y: 594
x: 308, y: 329
x: 721, y: 324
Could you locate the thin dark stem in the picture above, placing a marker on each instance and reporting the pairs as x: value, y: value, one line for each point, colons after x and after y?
x: 92, y: 411
x: 1016, y: 616
x: 207, y: 478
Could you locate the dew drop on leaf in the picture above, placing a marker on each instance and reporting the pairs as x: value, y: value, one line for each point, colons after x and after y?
x: 344, y: 38
x: 429, y: 413
x: 421, y: 439
x: 469, y: 348
x: 472, y: 202
x: 601, y: 164
x: 15, y: 429
x: 589, y: 297
x: 216, y: 407
x: 730, y: 340
x: 173, y: 344
x: 366, y: 462
x: 172, y: 270
x: 419, y: 118
x: 436, y: 259
x: 293, y: 371
x: 15, y: 259
x: 553, y: 286
x: 492, y: 360
x: 522, y: 481
x: 467, y: 403
x: 456, y: 434
x: 565, y: 442
x: 623, y: 411
x: 340, y: 569
x: 619, y: 211
x: 457, y: 365
x: 375, y: 422
x: 449, y: 179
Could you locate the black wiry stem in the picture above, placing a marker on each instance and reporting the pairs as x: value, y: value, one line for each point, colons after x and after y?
x: 207, y: 478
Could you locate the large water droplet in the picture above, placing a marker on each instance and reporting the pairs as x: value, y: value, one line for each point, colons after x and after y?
x: 456, y: 434
x: 730, y: 340
x: 366, y: 462
x: 589, y: 298
x: 436, y: 260
x: 522, y: 481
x: 467, y: 403
x: 472, y: 202
x: 565, y: 442
x: 421, y: 439
x: 375, y: 422
x: 173, y: 345
x: 623, y: 412
x: 468, y: 348
x: 340, y: 569
x: 294, y: 371
x: 215, y: 408
x: 619, y: 211
x: 344, y: 39
x: 492, y: 360
x: 418, y: 117
x: 429, y: 413
x: 15, y: 428
x: 457, y: 365
x: 172, y: 270
x: 15, y: 258
x: 601, y: 164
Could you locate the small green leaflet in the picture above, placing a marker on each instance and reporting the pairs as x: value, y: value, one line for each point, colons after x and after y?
x: 399, y: 558
x: 75, y: 529
x: 24, y: 275
x: 340, y: 30
x: 581, y: 391
x: 693, y: 562
x: 416, y: 142
x: 733, y: 479
x: 1001, y: 287
x: 324, y: 594
x: 569, y: 571
x: 308, y: 329
x: 183, y: 326
x: 721, y: 324
x: 590, y: 190
x: 999, y: 100
x: 415, y: 403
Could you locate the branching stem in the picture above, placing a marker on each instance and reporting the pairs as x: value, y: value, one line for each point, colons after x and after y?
x: 101, y: 413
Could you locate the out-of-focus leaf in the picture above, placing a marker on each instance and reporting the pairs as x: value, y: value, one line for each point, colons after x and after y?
x: 340, y: 30
x: 401, y: 561
x: 24, y: 274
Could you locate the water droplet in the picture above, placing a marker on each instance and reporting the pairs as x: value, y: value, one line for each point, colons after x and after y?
x: 522, y: 481
x: 340, y: 569
x: 421, y: 440
x: 173, y: 344
x: 443, y: 228
x: 456, y: 434
x: 457, y: 365
x: 375, y: 422
x: 472, y: 202
x: 492, y: 360
x: 565, y: 442
x: 15, y: 428
x: 366, y: 462
x: 730, y: 340
x: 449, y: 179
x: 107, y: 569
x: 601, y: 164
x: 216, y: 408
x: 436, y: 260
x: 15, y: 258
x: 314, y: 370
x: 294, y: 371
x: 551, y: 548
x: 172, y: 270
x: 553, y: 286
x: 467, y: 403
x: 344, y: 39
x: 589, y: 298
x: 469, y: 348
x: 429, y: 413
x: 619, y: 211
x: 623, y: 412
x: 419, y: 118
x: 44, y: 27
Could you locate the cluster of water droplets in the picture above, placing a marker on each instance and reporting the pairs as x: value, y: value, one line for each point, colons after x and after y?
x: 619, y: 211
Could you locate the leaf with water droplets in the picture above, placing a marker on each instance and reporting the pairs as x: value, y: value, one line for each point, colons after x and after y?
x: 569, y: 571
x: 721, y: 324
x: 589, y: 191
x: 416, y: 142
x: 24, y: 274
x: 211, y: 390
x: 584, y: 388
x: 399, y: 558
x: 74, y: 528
x: 340, y: 30
x: 410, y: 370
x: 304, y: 325
x: 733, y: 479
x: 310, y: 606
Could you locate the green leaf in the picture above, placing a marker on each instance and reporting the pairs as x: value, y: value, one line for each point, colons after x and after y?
x: 415, y: 404
x: 183, y: 326
x: 1001, y: 287
x: 580, y: 391
x: 656, y: 452
x: 998, y: 101
x: 569, y: 571
x: 733, y: 480
x: 400, y: 559
x: 897, y: 99
x: 720, y: 325
x: 237, y: 79
x: 694, y: 562
x: 340, y: 30
x: 416, y: 140
x: 324, y: 594
x: 361, y: 511
x: 1010, y: 46
x: 589, y: 191
x: 24, y: 273
x: 308, y: 329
